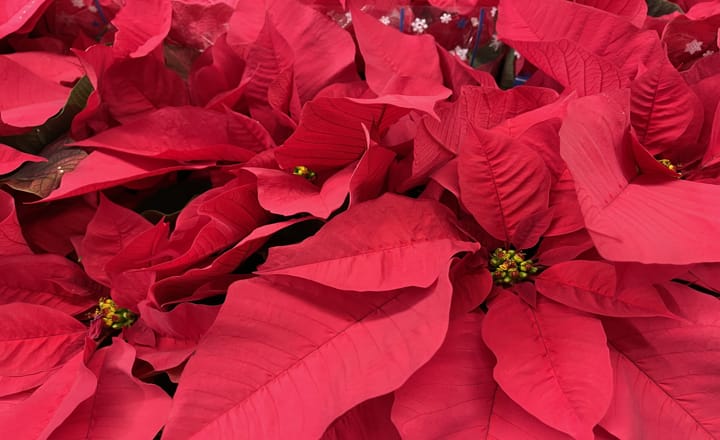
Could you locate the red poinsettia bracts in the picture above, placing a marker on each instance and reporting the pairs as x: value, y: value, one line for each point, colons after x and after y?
x: 359, y: 219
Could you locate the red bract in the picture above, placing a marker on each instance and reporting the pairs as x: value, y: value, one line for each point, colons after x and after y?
x: 18, y: 15
x: 449, y: 395
x: 32, y: 349
x: 12, y: 241
x: 121, y: 402
x: 657, y: 363
x: 499, y: 175
x: 412, y: 80
x: 37, y: 415
x: 633, y: 217
x: 664, y: 110
x: 562, y: 40
x: 378, y: 220
x: 563, y: 377
x: 302, y: 333
x: 416, y: 238
x: 181, y: 139
x: 34, y: 96
x: 141, y: 26
x: 593, y: 286
x: 331, y: 134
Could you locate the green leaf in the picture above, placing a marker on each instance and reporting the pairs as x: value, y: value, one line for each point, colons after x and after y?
x: 34, y: 140
x: 41, y: 178
x: 657, y: 8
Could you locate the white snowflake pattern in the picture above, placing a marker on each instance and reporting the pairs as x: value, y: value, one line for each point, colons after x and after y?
x: 78, y: 3
x: 445, y: 18
x: 419, y: 25
x: 348, y: 17
x: 517, y: 55
x: 693, y: 46
x: 495, y: 43
x: 493, y: 11
x: 385, y: 20
x: 93, y: 9
x: 475, y: 21
x: 708, y: 53
x: 460, y: 52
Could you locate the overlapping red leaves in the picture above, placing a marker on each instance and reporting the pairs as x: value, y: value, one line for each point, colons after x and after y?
x: 299, y: 219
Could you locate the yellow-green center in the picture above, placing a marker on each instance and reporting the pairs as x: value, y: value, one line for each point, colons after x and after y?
x: 114, y: 316
x: 509, y: 266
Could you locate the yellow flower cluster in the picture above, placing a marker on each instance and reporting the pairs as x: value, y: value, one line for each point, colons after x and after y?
x: 113, y: 316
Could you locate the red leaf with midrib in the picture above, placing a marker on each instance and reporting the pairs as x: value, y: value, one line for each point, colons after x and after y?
x: 551, y: 360
x: 262, y: 369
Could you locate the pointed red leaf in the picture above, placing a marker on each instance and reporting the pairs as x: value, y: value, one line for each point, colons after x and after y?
x: 554, y: 250
x: 134, y: 86
x: 100, y: 170
x: 12, y: 241
x: 145, y: 249
x: 275, y: 385
x: 457, y: 73
x: 567, y: 216
x: 122, y: 403
x: 281, y: 192
x: 502, y: 183
x: 174, y: 334
x: 573, y: 66
x: 562, y: 39
x: 183, y: 134
x: 48, y: 406
x: 246, y: 23
x: 592, y: 286
x: 369, y: 175
x: 486, y: 107
x: 28, y: 99
x: 16, y: 13
x: 666, y: 371
x: 212, y: 222
x: 663, y: 107
x: 142, y: 26
x: 34, y: 342
x: 107, y: 234
x: 560, y: 20
x: 269, y: 59
x: 415, y: 241
x: 643, y: 218
x: 51, y: 227
x: 454, y: 395
x: 199, y: 24
x: 11, y: 159
x: 47, y: 280
x: 331, y: 135
x: 472, y: 284
x: 313, y: 36
x: 552, y: 361
x: 399, y: 64
x: 178, y: 287
x: 217, y: 71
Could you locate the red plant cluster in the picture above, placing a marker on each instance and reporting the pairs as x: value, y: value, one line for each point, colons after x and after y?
x: 298, y: 219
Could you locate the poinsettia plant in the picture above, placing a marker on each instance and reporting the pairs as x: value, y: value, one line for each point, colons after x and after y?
x: 345, y: 219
